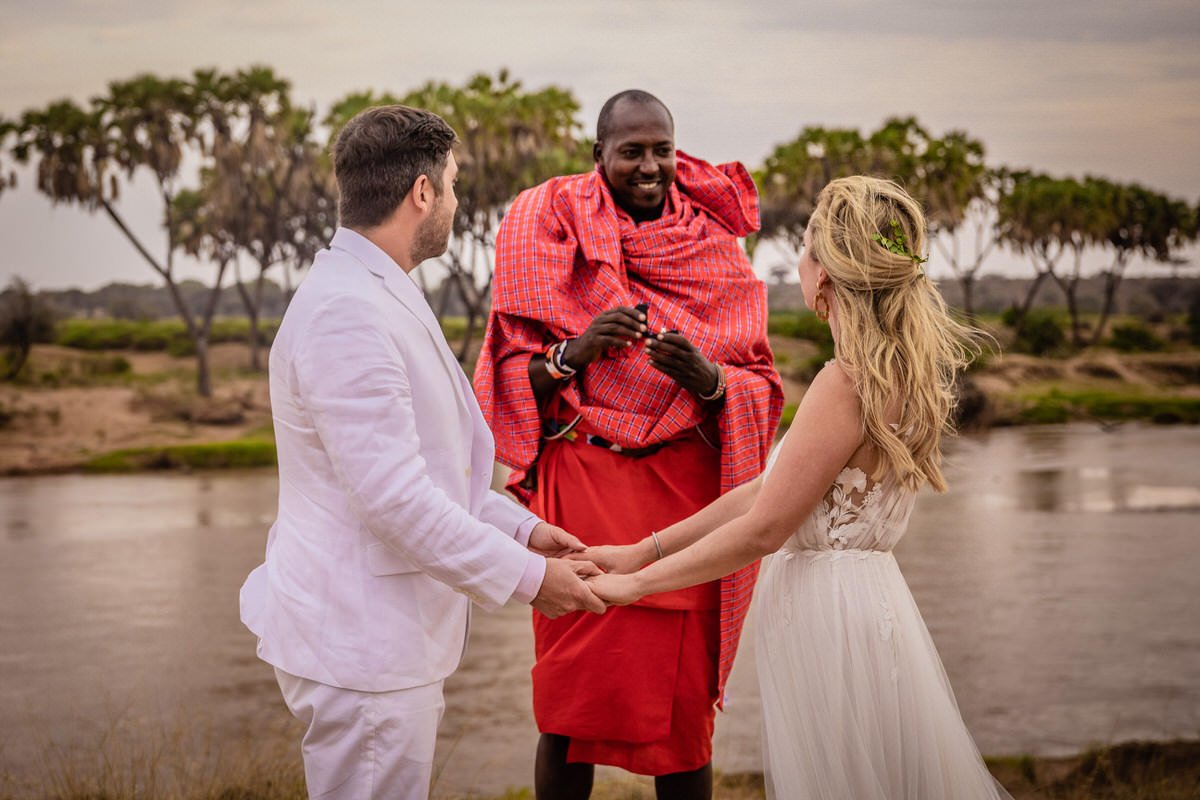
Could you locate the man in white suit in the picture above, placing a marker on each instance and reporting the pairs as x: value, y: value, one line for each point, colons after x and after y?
x: 387, y: 528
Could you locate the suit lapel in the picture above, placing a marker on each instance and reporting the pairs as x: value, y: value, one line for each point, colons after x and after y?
x: 409, y: 294
x: 406, y: 291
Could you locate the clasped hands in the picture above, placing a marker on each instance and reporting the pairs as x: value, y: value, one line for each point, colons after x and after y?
x: 585, y: 578
x: 669, y: 351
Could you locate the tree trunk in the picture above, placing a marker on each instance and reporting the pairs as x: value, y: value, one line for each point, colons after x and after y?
x: 967, y: 282
x: 255, y: 347
x: 203, y: 377
x: 467, y: 334
x: 248, y: 304
x: 1070, y: 289
x: 288, y: 289
x: 198, y: 333
x: 444, y: 299
x: 255, y: 336
x: 14, y: 358
x: 473, y: 296
x: 1112, y: 281
x: 201, y: 339
x: 1027, y: 304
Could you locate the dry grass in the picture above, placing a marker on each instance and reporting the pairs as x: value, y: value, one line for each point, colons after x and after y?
x: 197, y: 765
x: 193, y: 763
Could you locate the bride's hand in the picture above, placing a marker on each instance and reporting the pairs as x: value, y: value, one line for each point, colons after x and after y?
x: 616, y: 590
x: 619, y: 559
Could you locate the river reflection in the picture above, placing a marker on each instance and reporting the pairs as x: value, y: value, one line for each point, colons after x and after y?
x: 1057, y: 577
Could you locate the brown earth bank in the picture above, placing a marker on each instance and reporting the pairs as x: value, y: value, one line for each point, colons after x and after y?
x: 80, y: 405
x: 73, y: 407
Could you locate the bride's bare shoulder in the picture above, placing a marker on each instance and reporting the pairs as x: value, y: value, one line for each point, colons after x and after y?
x: 833, y: 388
x: 833, y: 378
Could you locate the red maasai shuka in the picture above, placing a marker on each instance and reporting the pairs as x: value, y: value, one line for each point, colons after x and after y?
x: 565, y: 253
x: 633, y: 687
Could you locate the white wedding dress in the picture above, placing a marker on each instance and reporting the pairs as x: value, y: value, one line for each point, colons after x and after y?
x: 855, y: 701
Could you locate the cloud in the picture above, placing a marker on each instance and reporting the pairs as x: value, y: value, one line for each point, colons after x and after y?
x: 1021, y: 20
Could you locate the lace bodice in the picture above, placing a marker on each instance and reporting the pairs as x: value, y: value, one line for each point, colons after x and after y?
x: 856, y: 513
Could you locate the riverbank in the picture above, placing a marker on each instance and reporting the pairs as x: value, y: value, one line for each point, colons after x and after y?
x: 1129, y: 771
x: 121, y: 411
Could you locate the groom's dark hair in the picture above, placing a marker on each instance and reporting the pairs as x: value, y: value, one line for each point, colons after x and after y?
x: 379, y: 155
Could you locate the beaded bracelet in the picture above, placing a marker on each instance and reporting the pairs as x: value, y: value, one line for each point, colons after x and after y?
x: 560, y: 359
x: 558, y: 369
x: 554, y: 371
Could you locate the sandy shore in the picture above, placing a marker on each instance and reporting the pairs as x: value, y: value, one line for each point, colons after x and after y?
x: 58, y: 428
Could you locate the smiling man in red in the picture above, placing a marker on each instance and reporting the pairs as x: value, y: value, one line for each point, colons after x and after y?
x: 627, y: 378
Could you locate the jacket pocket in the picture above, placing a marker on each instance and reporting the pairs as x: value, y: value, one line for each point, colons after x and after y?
x: 383, y: 560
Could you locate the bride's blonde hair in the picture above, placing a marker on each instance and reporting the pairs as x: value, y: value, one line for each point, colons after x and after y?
x: 896, y: 338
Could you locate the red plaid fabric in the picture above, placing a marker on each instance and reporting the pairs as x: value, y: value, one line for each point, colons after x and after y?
x: 565, y: 253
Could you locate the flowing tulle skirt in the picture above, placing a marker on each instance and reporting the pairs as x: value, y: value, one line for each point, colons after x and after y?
x: 856, y: 703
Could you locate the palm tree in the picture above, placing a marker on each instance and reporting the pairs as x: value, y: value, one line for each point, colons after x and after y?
x: 961, y: 192
x: 142, y: 124
x: 795, y: 173
x: 261, y: 151
x: 1029, y: 221
x: 1146, y: 223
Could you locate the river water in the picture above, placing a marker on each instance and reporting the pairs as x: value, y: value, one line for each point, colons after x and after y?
x: 1058, y: 578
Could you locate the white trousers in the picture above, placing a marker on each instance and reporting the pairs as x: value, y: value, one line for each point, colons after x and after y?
x: 365, y: 745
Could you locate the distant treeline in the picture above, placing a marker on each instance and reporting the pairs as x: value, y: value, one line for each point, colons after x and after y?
x: 1150, y: 298
x: 127, y: 301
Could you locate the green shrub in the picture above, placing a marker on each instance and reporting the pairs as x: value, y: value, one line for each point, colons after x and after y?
x: 218, y: 455
x: 453, y: 328
x: 104, y: 366
x: 1193, y: 319
x: 156, y: 336
x: 86, y: 334
x: 789, y: 414
x: 1134, y: 337
x: 168, y: 335
x: 1059, y: 405
x: 89, y: 369
x: 802, y: 325
x: 1041, y: 333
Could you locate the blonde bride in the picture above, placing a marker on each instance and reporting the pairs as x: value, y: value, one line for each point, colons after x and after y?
x: 855, y: 701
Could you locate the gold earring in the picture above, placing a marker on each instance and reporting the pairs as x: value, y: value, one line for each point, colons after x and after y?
x: 821, y: 307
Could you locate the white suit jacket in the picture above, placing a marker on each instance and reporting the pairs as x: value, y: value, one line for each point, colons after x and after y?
x: 386, y: 522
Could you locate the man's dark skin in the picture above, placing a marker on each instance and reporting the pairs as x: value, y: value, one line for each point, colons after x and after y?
x: 636, y: 156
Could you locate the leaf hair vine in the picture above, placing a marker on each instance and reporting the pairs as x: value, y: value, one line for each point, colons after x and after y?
x: 898, y: 244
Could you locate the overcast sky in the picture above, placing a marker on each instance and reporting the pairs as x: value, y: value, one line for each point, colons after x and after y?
x: 1070, y: 87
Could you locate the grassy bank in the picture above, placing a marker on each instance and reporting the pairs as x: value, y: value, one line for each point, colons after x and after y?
x: 1129, y: 771
x: 250, y: 452
x: 1058, y: 405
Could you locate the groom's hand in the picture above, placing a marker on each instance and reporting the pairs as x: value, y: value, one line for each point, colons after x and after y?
x: 552, y: 541
x: 564, y: 591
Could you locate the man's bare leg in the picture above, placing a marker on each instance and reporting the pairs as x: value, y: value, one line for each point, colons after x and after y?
x: 554, y: 778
